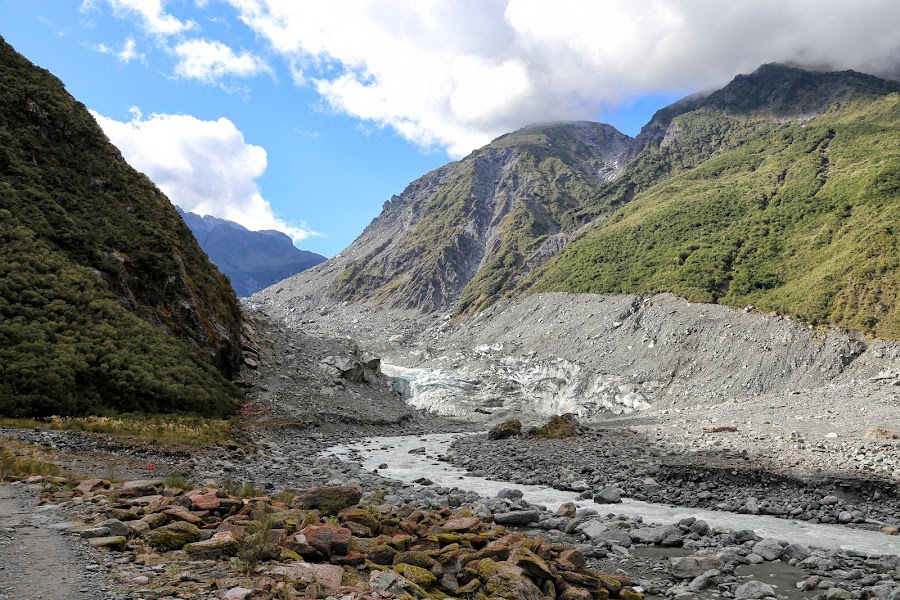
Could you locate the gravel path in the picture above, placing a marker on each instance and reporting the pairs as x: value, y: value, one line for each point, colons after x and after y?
x: 36, y: 561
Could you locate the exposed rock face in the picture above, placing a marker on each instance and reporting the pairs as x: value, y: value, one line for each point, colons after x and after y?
x: 252, y: 260
x: 468, y: 230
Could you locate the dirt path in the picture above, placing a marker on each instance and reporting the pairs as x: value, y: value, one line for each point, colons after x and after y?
x: 36, y: 562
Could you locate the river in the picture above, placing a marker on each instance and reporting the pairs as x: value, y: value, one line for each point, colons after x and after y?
x: 407, y: 468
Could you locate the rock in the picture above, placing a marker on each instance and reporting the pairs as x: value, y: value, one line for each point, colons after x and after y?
x: 689, y: 567
x: 114, y: 542
x: 328, y: 539
x: 653, y: 535
x: 207, y: 501
x: 830, y: 500
x: 392, y: 583
x: 327, y: 576
x: 753, y: 590
x: 510, y: 494
x: 213, y: 548
x: 795, y: 552
x: 418, y: 575
x: 836, y: 593
x: 94, y: 532
x: 330, y: 500
x: 519, y: 517
x: 882, y: 432
x: 88, y: 486
x: 608, y: 495
x: 237, y: 593
x: 890, y: 530
x: 173, y: 536
x: 463, y: 524
x: 117, y: 527
x: 504, y: 430
x: 768, y: 549
x: 701, y: 582
x: 567, y: 509
x: 720, y: 428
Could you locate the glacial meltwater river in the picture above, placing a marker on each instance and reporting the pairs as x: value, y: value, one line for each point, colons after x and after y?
x: 406, y: 467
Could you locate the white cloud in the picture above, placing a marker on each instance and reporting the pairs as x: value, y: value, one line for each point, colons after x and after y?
x: 204, y: 167
x: 154, y: 19
x: 127, y: 54
x: 210, y: 61
x: 456, y: 73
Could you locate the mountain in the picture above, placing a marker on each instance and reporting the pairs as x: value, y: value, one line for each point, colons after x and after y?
x: 252, y: 260
x: 778, y: 190
x: 469, y: 232
x: 107, y: 303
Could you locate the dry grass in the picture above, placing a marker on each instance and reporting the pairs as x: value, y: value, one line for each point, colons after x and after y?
x: 154, y: 429
x: 19, y: 460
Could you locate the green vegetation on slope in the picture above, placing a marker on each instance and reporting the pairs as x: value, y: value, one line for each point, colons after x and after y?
x: 799, y: 218
x: 106, y: 302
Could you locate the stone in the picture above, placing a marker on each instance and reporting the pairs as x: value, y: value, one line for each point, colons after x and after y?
x: 94, y: 532
x: 462, y: 524
x: 701, y: 582
x: 327, y: 576
x: 328, y: 539
x: 236, y: 593
x: 117, y: 527
x: 213, y: 548
x: 720, y: 428
x: 608, y: 495
x: 205, y: 502
x: 382, y: 554
x: 505, y: 430
x: 88, y: 486
x: 753, y: 590
x: 330, y: 500
x: 836, y: 593
x: 418, y: 575
x: 795, y: 552
x: 567, y: 509
x: 890, y: 530
x: 689, y: 567
x: 519, y: 517
x: 510, y: 494
x: 114, y: 542
x: 882, y: 432
x: 653, y: 535
x: 769, y: 549
x: 392, y: 583
x: 173, y: 536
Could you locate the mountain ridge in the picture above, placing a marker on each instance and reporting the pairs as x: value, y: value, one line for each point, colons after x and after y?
x: 252, y: 260
x: 559, y: 202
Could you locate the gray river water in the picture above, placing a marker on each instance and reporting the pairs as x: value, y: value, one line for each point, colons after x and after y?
x: 405, y: 467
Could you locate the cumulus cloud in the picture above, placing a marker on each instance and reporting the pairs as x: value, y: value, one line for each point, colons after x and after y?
x: 204, y: 167
x: 454, y: 74
x: 154, y: 19
x: 210, y: 61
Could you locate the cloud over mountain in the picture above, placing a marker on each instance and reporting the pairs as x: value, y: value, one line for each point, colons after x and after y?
x: 205, y: 167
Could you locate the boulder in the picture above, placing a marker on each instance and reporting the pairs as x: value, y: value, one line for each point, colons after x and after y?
x: 327, y: 576
x: 689, y: 567
x: 567, y: 510
x: 504, y: 430
x: 608, y: 495
x: 754, y: 590
x: 769, y: 549
x: 173, y: 536
x: 328, y: 539
x: 720, y: 428
x: 220, y: 545
x: 519, y: 517
x: 330, y: 500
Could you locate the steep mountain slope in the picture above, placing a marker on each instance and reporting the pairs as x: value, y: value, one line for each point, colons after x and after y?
x: 468, y: 232
x: 251, y: 260
x: 778, y: 190
x: 106, y: 300
x: 792, y: 215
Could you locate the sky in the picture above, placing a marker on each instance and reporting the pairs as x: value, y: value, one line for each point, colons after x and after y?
x: 307, y: 115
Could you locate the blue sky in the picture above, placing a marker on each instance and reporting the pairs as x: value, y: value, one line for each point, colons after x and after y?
x: 306, y: 116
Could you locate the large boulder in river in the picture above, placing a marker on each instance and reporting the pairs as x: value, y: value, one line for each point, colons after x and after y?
x: 504, y: 430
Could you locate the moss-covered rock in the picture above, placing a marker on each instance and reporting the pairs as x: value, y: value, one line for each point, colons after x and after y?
x: 418, y: 575
x: 213, y: 548
x: 173, y: 536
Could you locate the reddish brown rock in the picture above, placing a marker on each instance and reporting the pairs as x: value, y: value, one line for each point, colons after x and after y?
x: 205, y: 502
x: 720, y: 428
x: 566, y: 510
x: 328, y: 539
x: 463, y: 524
